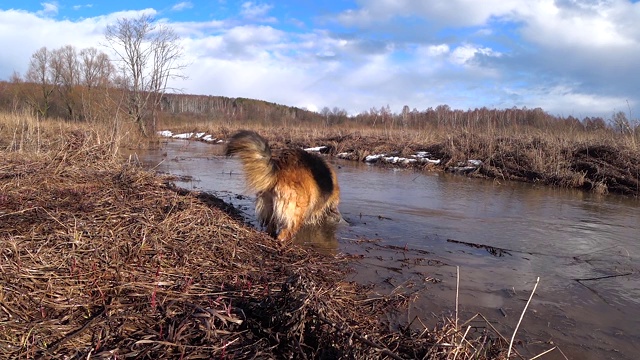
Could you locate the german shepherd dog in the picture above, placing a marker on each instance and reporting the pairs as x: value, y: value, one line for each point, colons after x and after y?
x: 294, y: 188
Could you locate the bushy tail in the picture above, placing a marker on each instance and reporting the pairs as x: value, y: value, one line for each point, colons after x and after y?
x: 253, y: 150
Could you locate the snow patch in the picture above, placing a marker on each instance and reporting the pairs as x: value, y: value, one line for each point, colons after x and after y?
x: 315, y: 149
x: 373, y: 158
x: 419, y: 157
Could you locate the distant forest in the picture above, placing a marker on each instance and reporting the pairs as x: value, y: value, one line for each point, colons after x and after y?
x: 84, y: 86
x: 85, y: 103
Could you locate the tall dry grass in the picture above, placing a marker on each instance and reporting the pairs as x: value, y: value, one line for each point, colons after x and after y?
x: 26, y: 133
x: 546, y: 146
x: 555, y: 154
x: 105, y: 260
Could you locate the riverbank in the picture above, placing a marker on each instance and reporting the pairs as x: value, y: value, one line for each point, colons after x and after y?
x: 103, y: 259
x: 595, y: 162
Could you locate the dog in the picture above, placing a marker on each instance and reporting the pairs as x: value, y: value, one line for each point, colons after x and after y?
x: 294, y: 187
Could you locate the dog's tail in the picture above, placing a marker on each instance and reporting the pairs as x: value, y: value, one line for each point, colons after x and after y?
x: 255, y: 154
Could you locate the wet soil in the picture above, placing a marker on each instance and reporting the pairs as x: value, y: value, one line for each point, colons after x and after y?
x: 604, y: 167
x: 410, y: 228
x: 101, y: 259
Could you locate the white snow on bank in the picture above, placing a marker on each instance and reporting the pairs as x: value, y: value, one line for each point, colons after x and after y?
x: 421, y: 157
x: 315, y: 149
x: 469, y: 166
x: 418, y: 157
x: 202, y: 136
x: 209, y: 138
x: 374, y: 158
x: 188, y: 136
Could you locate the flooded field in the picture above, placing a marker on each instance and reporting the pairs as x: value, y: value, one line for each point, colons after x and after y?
x: 411, y: 230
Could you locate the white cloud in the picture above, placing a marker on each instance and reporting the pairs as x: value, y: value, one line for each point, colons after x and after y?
x: 570, y: 100
x: 37, y: 31
x: 567, y: 56
x: 48, y: 9
x: 553, y: 26
x: 79, y: 7
x: 257, y: 12
x: 182, y: 6
x: 464, y: 54
x: 437, y: 50
x: 450, y: 12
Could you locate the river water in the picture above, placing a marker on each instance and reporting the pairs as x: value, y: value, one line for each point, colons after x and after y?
x: 413, y: 231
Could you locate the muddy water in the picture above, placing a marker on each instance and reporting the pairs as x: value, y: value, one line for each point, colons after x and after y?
x: 411, y: 230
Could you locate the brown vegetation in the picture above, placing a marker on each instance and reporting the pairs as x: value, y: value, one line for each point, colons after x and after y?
x: 601, y: 161
x: 528, y: 145
x: 102, y: 259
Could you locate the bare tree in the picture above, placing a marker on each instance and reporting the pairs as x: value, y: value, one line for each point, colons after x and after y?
x: 39, y: 72
x: 95, y: 68
x: 66, y: 67
x: 149, y: 55
x: 325, y: 112
x: 96, y: 75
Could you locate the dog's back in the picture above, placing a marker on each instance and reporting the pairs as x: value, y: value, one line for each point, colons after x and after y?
x: 294, y: 187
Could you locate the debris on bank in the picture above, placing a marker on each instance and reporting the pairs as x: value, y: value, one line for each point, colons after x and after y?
x: 420, y: 157
x: 102, y: 259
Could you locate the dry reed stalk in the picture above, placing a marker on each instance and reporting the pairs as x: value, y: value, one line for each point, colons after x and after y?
x: 457, y: 292
x: 522, y: 316
x: 103, y: 259
x: 551, y: 156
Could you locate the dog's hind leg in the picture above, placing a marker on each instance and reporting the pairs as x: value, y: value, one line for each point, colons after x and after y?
x: 291, y: 207
x: 265, y: 213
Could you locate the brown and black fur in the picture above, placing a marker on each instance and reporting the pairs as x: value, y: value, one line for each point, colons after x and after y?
x: 293, y: 188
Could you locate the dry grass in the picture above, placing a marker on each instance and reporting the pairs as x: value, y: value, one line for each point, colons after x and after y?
x: 26, y: 133
x: 596, y: 161
x: 101, y: 259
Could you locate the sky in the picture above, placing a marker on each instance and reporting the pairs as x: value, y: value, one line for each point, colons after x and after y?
x: 568, y: 57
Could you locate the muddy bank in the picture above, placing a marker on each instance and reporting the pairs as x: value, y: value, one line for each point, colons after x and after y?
x: 603, y: 166
x: 102, y: 259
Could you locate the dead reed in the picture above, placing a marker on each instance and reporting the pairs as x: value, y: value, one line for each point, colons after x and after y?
x: 101, y: 259
x: 595, y: 161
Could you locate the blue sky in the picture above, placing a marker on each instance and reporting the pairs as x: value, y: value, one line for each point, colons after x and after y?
x: 569, y: 57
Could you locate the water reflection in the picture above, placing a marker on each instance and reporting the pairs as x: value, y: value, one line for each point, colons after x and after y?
x: 319, y: 237
x: 556, y: 234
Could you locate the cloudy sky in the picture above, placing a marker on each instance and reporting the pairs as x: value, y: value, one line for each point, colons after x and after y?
x: 569, y: 57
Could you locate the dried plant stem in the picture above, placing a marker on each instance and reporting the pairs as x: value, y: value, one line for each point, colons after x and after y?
x: 543, y: 353
x: 457, y: 292
x: 461, y: 342
x: 521, y: 316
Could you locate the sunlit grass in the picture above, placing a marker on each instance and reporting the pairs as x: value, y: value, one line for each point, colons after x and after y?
x: 24, y: 132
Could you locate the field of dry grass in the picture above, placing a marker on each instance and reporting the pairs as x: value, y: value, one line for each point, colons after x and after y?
x: 597, y: 161
x: 101, y: 259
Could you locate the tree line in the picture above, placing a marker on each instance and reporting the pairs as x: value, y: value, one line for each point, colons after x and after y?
x: 63, y: 82
x: 87, y: 85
